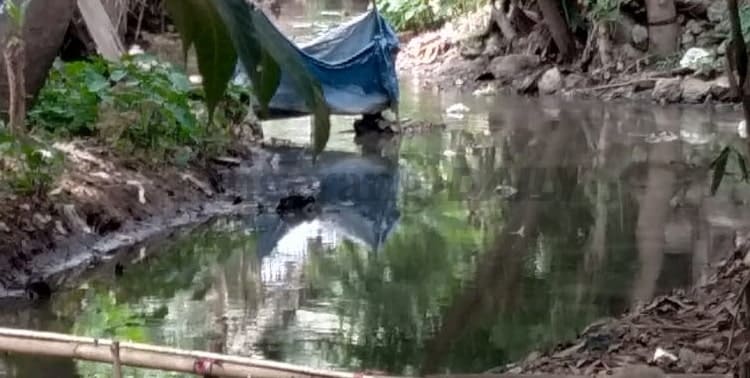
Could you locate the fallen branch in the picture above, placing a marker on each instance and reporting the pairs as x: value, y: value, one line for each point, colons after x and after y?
x: 644, y: 82
x: 155, y: 357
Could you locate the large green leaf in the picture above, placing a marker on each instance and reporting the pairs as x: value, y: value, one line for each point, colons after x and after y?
x: 200, y: 25
x: 719, y: 166
x: 263, y: 50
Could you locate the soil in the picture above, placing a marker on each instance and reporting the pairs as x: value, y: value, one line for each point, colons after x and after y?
x: 100, y: 203
x: 471, y: 54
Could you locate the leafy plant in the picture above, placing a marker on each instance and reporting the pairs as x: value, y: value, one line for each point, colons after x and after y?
x: 16, y: 11
x: 69, y: 102
x: 411, y: 14
x: 138, y: 103
x: 223, y: 31
x: 719, y: 166
x: 26, y: 165
x: 604, y: 10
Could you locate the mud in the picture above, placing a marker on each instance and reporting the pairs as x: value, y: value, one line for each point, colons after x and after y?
x: 103, y: 204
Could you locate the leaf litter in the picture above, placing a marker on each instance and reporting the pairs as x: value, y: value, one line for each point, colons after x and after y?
x: 704, y: 330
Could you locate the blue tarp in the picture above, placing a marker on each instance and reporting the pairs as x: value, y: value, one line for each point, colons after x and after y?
x: 355, y: 64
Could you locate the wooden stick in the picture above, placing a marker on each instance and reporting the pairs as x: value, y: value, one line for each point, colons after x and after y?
x: 155, y: 357
x: 117, y: 365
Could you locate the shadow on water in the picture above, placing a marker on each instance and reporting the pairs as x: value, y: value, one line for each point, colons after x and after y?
x: 455, y: 250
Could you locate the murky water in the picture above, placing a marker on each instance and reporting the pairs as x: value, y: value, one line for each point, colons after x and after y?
x: 510, y: 230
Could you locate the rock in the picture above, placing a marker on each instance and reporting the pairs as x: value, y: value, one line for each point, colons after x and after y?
x: 60, y: 228
x: 687, y: 40
x: 667, y: 89
x: 722, y: 49
x: 551, y: 81
x: 493, y: 46
x: 41, y: 220
x: 695, y: 90
x: 717, y: 11
x: 508, y: 66
x: 4, y: 227
x: 720, y: 88
x: 697, y: 58
x: 471, y: 48
x: 526, y: 84
x: 74, y: 220
x: 639, y: 37
x: 695, y: 27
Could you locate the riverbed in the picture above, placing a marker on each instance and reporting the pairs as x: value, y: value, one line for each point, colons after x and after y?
x: 509, y: 230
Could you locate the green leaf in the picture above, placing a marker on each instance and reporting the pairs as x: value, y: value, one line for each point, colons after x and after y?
x: 269, y: 78
x: 200, y: 25
x: 743, y: 165
x: 259, y: 41
x: 719, y: 167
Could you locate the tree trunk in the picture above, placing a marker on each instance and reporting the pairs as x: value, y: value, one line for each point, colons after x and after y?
x: 654, y: 208
x: 663, y: 29
x: 44, y: 30
x: 14, y: 64
x: 558, y: 27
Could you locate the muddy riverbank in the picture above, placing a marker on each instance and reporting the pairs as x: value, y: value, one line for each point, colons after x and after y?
x: 101, y: 203
x: 703, y: 330
x: 472, y: 54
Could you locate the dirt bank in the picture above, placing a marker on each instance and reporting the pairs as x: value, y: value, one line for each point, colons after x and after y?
x: 102, y: 202
x: 472, y: 54
x: 705, y: 330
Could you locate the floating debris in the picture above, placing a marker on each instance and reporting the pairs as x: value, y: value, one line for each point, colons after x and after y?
x: 661, y: 137
x: 457, y: 110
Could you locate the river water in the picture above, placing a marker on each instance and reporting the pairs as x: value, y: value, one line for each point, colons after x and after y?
x: 456, y: 250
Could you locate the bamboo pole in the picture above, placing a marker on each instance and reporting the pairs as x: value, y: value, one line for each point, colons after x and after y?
x: 117, y: 365
x: 155, y: 357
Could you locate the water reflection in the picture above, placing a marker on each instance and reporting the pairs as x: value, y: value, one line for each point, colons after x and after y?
x: 468, y: 248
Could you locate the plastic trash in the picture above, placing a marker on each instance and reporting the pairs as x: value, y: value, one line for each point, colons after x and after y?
x: 742, y: 129
x: 696, y: 58
x: 661, y: 137
x: 660, y: 353
x: 457, y: 110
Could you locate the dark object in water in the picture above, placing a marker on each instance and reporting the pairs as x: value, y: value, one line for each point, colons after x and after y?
x: 119, y: 270
x: 237, y: 200
x: 294, y: 203
x: 371, y: 123
x: 38, y: 291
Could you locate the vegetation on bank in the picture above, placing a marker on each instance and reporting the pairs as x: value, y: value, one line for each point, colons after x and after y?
x: 147, y: 107
x: 419, y: 15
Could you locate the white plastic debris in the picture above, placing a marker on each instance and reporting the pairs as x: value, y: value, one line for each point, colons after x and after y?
x: 487, y: 90
x: 661, y: 353
x: 195, y: 79
x: 742, y: 129
x: 505, y: 191
x: 135, y: 50
x: 696, y: 58
x: 661, y: 137
x: 457, y: 110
